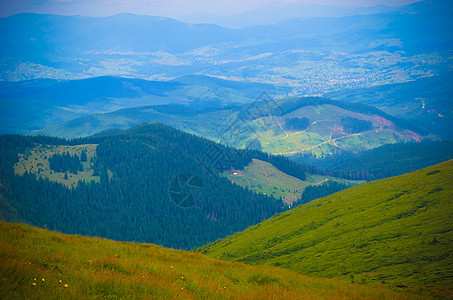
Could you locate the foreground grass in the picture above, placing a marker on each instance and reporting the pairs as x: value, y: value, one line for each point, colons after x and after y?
x: 396, y: 231
x: 35, y: 263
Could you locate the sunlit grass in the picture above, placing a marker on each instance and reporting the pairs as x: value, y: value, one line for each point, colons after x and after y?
x: 396, y: 231
x: 35, y: 264
x: 263, y: 177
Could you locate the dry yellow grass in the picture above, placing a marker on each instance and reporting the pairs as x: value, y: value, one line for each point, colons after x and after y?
x: 35, y: 263
x: 35, y: 161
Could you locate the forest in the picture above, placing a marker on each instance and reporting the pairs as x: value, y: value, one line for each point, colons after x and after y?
x: 353, y: 125
x: 131, y: 201
x: 67, y: 163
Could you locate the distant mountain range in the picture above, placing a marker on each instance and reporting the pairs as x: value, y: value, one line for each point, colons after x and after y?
x: 36, y: 104
x: 312, y: 55
x: 196, y: 136
x: 274, y: 14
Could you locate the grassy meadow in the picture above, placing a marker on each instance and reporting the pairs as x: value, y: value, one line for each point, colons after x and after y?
x: 36, y: 160
x: 39, y: 264
x: 397, y: 232
x: 263, y: 177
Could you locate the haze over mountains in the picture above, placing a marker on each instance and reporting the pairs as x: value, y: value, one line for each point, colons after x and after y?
x: 36, y: 104
x: 270, y: 136
x: 312, y: 55
x: 341, y: 57
x: 298, y: 126
x: 271, y: 14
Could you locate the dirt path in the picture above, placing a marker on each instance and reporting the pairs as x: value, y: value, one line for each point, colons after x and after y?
x: 311, y: 125
x: 328, y: 141
x: 322, y: 181
x: 282, y: 129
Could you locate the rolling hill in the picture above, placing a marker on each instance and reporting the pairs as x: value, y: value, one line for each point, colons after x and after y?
x: 38, y: 264
x: 395, y: 231
x: 122, y: 190
x: 290, y: 127
x: 150, y: 183
x: 427, y: 101
x: 32, y: 105
x: 384, y: 161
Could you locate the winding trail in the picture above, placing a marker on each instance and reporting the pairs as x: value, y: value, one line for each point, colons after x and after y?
x: 311, y: 125
x: 328, y: 141
x: 282, y: 129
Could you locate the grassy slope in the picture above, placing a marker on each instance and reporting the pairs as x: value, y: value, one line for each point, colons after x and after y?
x: 427, y: 100
x: 324, y: 137
x: 37, y: 159
x: 397, y: 231
x: 263, y: 177
x: 34, y: 261
x: 325, y: 133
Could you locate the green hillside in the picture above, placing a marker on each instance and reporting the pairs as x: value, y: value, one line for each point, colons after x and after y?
x: 38, y: 264
x: 396, y: 159
x: 426, y: 101
x: 263, y: 177
x: 28, y: 106
x: 396, y: 231
x: 122, y: 188
x: 297, y: 126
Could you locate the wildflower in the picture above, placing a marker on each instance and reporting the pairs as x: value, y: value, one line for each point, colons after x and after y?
x: 171, y: 267
x: 34, y: 283
x: 66, y: 285
x: 89, y: 261
x: 34, y: 279
x: 43, y: 279
x: 182, y: 288
x: 59, y: 281
x: 182, y: 277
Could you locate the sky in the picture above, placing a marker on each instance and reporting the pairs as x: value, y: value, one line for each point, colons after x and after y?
x: 168, y: 8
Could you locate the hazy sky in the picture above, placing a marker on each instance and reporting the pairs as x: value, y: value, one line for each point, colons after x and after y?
x: 164, y: 7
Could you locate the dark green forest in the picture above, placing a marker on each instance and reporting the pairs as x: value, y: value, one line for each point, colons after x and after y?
x: 133, y: 203
x: 131, y: 200
x: 353, y: 125
x: 66, y: 162
x: 382, y: 162
x: 394, y: 159
x: 313, y: 192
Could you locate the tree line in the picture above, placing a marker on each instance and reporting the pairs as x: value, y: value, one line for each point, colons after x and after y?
x: 66, y: 162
